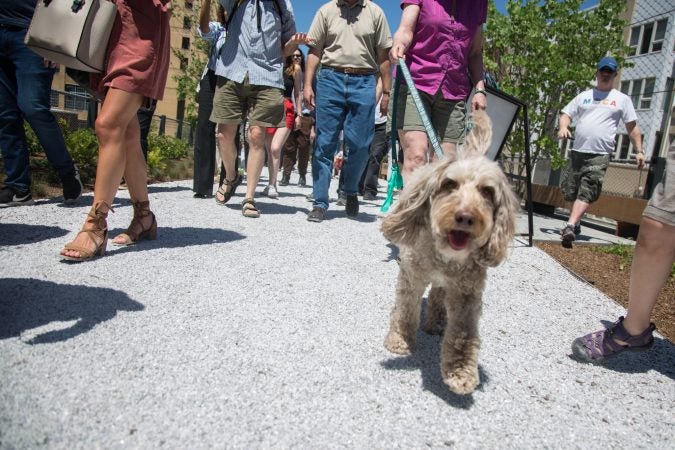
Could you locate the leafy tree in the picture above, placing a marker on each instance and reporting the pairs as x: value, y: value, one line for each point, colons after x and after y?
x: 192, y: 63
x: 545, y: 53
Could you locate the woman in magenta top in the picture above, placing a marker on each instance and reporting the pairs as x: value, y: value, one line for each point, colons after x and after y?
x: 137, y: 61
x: 442, y: 42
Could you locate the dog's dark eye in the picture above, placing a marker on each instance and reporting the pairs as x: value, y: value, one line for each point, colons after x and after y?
x: 449, y: 185
x: 488, y: 192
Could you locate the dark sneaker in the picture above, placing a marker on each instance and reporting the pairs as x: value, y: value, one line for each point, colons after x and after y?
x: 198, y: 195
x: 316, y: 215
x: 302, y: 181
x: 285, y: 179
x: 599, y: 345
x: 577, y: 229
x: 10, y: 198
x: 342, y: 200
x: 567, y: 235
x: 352, y: 206
x: 369, y: 197
x: 72, y: 187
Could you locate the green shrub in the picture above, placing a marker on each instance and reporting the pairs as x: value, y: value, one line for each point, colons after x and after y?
x: 83, y: 147
x: 167, y: 146
x: 156, y: 164
x: 34, y: 147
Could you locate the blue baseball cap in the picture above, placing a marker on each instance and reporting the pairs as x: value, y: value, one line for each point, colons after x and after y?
x: 608, y: 63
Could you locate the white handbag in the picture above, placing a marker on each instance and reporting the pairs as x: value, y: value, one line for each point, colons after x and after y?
x: 73, y: 33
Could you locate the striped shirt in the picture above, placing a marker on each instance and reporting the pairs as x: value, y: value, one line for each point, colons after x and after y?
x: 215, y: 37
x: 256, y: 51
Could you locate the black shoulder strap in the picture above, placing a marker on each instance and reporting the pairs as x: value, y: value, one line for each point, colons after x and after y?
x: 277, y: 6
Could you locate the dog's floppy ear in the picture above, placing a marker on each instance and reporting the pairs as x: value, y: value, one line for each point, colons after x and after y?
x: 479, y: 138
x: 494, y: 252
x: 410, y: 214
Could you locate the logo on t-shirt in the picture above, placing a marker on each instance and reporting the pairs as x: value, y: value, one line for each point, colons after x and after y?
x: 605, y: 102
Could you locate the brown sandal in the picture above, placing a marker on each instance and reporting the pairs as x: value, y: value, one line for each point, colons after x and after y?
x: 136, y: 232
x: 96, y: 219
x: 249, y: 209
x: 231, y: 188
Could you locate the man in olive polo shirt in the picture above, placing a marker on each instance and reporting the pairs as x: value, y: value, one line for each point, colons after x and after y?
x: 351, y: 40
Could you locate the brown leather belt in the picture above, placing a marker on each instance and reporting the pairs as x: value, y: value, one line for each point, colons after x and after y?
x: 350, y: 70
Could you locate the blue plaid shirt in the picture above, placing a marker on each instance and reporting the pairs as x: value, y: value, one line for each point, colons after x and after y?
x: 256, y: 48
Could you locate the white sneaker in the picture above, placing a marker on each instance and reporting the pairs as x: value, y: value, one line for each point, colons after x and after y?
x: 270, y: 191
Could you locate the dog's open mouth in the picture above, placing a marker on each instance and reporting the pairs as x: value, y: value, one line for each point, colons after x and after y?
x: 458, y: 240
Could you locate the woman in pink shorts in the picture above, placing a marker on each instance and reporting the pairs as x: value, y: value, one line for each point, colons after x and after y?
x: 137, y: 62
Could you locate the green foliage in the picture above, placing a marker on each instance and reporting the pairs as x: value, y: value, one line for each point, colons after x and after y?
x: 156, y: 164
x: 625, y: 251
x: 167, y: 147
x: 83, y: 147
x: 545, y: 53
x: 34, y: 147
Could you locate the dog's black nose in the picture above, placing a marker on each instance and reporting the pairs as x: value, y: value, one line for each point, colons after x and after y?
x: 464, y: 218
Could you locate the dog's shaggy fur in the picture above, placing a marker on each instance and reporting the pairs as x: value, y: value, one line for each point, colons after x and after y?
x: 452, y: 221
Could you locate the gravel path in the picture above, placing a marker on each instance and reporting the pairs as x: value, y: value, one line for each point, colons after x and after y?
x: 230, y: 332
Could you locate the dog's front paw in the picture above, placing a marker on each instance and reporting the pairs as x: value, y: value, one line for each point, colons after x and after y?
x: 396, y: 343
x: 461, y: 380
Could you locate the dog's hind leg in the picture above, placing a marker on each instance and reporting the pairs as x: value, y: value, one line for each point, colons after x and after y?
x: 461, y: 343
x: 434, y: 320
x: 405, y: 317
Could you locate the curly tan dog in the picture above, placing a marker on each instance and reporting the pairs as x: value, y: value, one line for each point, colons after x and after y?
x: 453, y: 220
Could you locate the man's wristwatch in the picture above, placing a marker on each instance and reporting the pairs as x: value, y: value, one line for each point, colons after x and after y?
x: 480, y: 91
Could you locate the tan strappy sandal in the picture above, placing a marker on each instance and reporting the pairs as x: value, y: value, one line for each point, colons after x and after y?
x: 97, y: 229
x: 136, y: 232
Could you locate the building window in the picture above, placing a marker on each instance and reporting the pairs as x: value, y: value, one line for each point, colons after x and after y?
x: 640, y: 92
x: 185, y: 44
x: 187, y: 22
x: 76, y: 97
x: 647, y: 38
x: 54, y: 99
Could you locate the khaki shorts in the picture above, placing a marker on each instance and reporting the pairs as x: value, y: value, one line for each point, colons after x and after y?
x: 448, y: 117
x: 584, y: 177
x: 661, y: 205
x: 233, y: 102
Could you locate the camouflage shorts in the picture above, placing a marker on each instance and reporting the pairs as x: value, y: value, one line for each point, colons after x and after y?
x: 584, y: 176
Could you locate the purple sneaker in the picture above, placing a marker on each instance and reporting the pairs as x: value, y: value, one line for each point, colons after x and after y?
x: 599, y: 345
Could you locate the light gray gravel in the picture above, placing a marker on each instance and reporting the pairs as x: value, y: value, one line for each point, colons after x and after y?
x: 230, y: 332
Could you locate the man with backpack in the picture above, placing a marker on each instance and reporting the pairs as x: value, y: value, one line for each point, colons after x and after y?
x: 260, y: 34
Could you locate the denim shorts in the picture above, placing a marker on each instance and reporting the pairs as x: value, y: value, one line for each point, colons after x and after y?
x: 584, y: 177
x: 661, y: 205
x: 262, y: 105
x: 448, y: 117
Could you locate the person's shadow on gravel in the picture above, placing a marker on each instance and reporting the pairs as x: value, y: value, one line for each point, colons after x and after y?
x: 35, y: 307
x: 21, y: 234
x: 179, y: 237
x: 426, y: 358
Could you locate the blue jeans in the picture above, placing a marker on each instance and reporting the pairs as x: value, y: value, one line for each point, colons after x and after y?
x: 343, y: 102
x: 25, y: 86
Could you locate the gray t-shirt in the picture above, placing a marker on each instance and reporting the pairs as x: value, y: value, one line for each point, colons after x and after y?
x: 597, y: 114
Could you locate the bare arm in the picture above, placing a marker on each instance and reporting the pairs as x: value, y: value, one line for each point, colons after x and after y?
x: 384, y: 79
x: 404, y: 35
x: 205, y: 16
x: 313, y: 58
x: 635, y: 136
x: 563, y: 129
x: 297, y: 91
x: 476, y: 70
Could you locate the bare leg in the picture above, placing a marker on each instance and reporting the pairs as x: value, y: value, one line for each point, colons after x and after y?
x: 117, y: 113
x: 256, y: 159
x: 579, y: 208
x: 415, y: 152
x: 278, y: 141
x: 227, y: 149
x: 652, y: 262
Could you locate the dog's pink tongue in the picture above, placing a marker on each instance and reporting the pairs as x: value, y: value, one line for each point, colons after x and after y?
x: 458, y: 239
